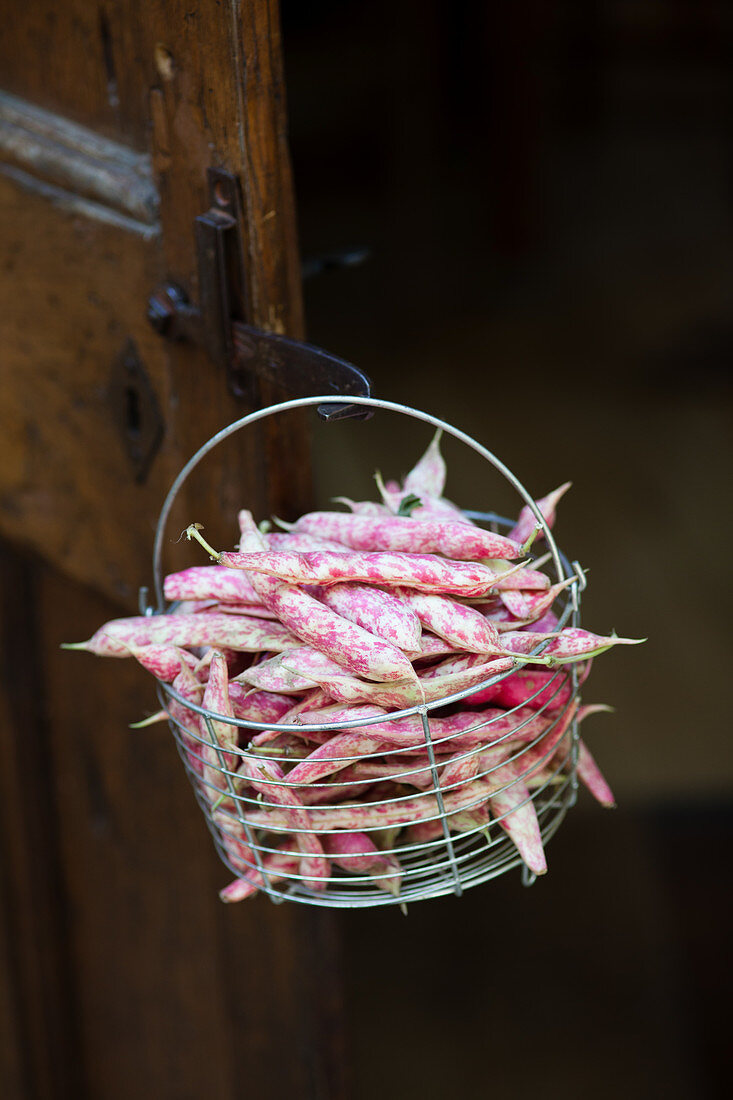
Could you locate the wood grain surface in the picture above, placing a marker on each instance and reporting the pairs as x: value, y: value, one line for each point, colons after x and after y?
x: 124, y: 974
x: 79, y: 280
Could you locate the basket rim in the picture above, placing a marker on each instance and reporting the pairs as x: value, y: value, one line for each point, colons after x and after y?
x: 563, y: 567
x: 331, y: 399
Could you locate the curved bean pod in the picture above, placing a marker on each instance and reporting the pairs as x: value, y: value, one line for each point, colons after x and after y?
x: 463, y: 626
x: 345, y: 642
x: 379, y: 612
x: 460, y: 541
x: 116, y: 638
x: 527, y: 520
x: 424, y: 572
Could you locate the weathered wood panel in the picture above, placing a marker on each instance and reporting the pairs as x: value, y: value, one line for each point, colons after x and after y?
x: 80, y: 285
x: 76, y: 159
x: 173, y: 989
x: 41, y: 1049
x: 127, y: 972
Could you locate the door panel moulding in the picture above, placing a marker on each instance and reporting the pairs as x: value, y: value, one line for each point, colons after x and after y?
x: 74, y: 164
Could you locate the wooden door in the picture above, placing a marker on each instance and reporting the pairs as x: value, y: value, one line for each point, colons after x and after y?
x: 122, y: 972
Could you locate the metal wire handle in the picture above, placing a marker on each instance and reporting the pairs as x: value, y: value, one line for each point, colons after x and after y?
x: 304, y: 402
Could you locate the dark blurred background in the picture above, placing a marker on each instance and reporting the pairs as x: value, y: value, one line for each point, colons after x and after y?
x: 545, y: 190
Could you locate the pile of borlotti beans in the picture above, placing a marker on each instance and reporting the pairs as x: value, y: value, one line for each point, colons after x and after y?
x: 349, y: 617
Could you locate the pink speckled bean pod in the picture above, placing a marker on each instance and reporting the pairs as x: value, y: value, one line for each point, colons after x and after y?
x: 384, y: 814
x: 291, y: 540
x: 459, y: 769
x: 431, y: 686
x: 465, y: 821
x: 515, y: 812
x: 388, y: 733
x: 546, y: 625
x: 527, y: 606
x: 429, y: 508
x: 328, y: 713
x: 588, y: 772
x: 268, y: 779
x: 463, y: 626
x: 458, y: 732
x: 395, y: 770
x: 461, y: 541
x: 115, y: 638
x: 460, y: 662
x: 277, y: 865
x: 453, y: 771
x: 425, y: 480
x: 541, y: 734
x: 355, y: 818
x: 440, y: 509
x: 512, y: 807
x: 522, y: 642
x: 495, y: 730
x: 271, y: 675
x: 489, y: 730
x: 320, y: 795
x: 422, y: 832
x: 345, y: 642
x: 164, y: 661
x: 357, y: 853
x: 504, y: 621
x: 427, y: 476
x: 232, y: 658
x: 321, y: 762
x: 591, y: 776
x: 524, y: 579
x: 311, y: 665
x: 461, y: 731
x: 235, y: 660
x: 517, y: 689
x: 354, y: 852
x: 432, y: 646
x: 210, y: 582
x: 500, y: 617
x: 234, y: 839
x: 193, y: 607
x: 424, y: 572
x: 571, y: 644
x: 225, y: 734
x: 315, y: 699
x: 187, y: 721
x: 253, y: 610
x: 257, y: 706
x: 527, y: 520
x: 381, y: 613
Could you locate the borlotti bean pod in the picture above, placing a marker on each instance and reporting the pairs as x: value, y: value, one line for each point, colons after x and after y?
x: 394, y: 803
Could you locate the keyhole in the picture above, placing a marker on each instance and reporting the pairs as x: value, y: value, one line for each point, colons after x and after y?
x: 132, y: 412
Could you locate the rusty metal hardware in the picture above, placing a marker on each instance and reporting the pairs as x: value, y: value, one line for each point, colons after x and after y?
x: 135, y: 410
x: 220, y: 279
x: 244, y: 353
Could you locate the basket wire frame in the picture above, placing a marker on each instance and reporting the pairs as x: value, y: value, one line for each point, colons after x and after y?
x: 452, y: 860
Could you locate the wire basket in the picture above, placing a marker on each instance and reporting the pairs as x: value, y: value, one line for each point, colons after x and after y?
x: 435, y: 835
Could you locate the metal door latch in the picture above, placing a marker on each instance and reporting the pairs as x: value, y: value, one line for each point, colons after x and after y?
x: 244, y: 353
